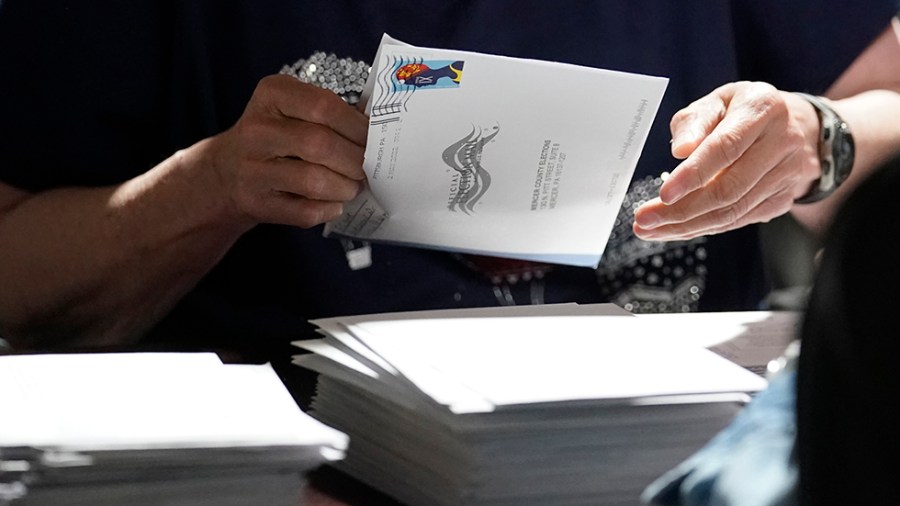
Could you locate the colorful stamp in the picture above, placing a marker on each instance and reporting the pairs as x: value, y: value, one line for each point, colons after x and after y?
x: 430, y: 73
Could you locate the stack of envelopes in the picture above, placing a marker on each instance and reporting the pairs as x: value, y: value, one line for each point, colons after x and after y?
x: 153, y: 428
x: 556, y: 404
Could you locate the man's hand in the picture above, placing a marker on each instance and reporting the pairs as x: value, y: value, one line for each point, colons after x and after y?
x: 749, y: 150
x: 294, y: 156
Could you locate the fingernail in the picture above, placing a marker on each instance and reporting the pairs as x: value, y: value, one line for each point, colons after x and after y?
x: 642, y: 233
x: 671, y: 192
x: 687, y: 137
x: 647, y: 219
x: 681, y: 138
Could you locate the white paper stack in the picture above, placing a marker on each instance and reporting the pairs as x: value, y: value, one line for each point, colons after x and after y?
x: 153, y: 428
x: 560, y: 404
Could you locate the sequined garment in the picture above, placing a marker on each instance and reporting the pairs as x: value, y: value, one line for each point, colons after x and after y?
x: 344, y: 76
x: 650, y: 276
x: 640, y: 276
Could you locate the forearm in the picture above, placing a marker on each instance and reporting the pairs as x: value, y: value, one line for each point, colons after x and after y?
x: 101, y: 265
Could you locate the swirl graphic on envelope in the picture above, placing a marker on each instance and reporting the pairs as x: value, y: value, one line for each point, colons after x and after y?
x: 499, y: 156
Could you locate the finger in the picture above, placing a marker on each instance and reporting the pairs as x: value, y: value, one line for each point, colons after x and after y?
x: 320, y: 145
x: 289, y: 209
x: 295, y: 99
x: 308, y: 180
x: 771, y: 207
x: 731, y: 184
x: 747, y: 115
x: 281, y: 137
x: 728, y: 217
x: 771, y: 197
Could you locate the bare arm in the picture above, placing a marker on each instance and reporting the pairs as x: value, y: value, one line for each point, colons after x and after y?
x: 93, y: 266
x: 749, y: 150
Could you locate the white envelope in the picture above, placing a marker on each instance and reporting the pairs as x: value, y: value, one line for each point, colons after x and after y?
x: 499, y: 156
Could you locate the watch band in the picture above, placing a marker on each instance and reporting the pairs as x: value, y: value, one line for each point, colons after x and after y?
x: 836, y: 151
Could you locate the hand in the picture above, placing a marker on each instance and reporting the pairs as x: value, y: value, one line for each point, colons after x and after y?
x: 749, y: 150
x: 294, y: 157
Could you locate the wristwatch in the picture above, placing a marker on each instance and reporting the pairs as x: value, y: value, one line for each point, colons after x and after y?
x: 836, y: 151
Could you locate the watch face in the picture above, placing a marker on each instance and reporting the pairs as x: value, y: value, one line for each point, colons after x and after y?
x: 843, y: 153
x: 836, y: 151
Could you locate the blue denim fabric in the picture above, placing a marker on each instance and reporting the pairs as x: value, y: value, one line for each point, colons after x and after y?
x: 749, y: 463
